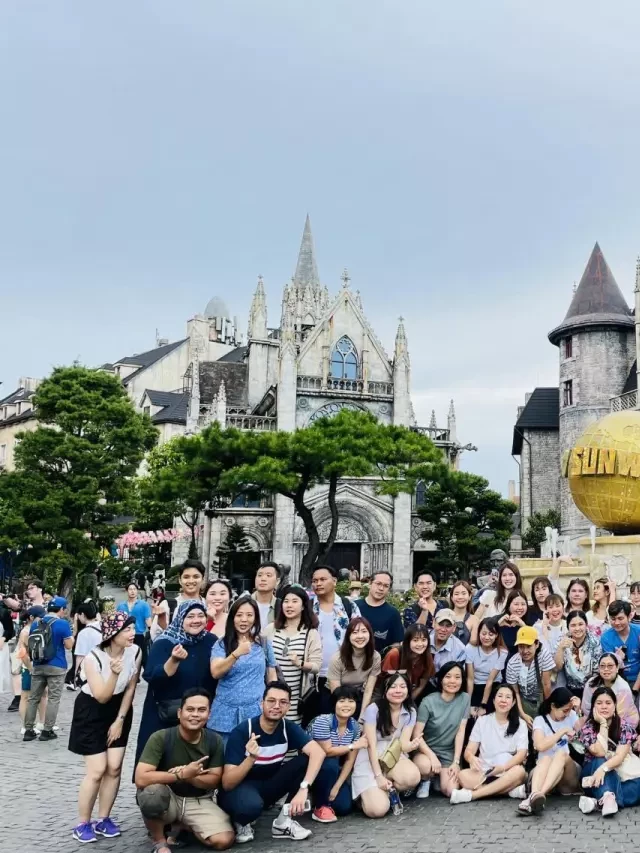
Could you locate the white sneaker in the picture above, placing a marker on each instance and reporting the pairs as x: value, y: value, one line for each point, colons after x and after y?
x: 587, y: 805
x: 609, y: 804
x: 423, y: 790
x: 289, y: 828
x: 518, y: 793
x: 460, y: 795
x: 22, y: 730
x: 244, y: 833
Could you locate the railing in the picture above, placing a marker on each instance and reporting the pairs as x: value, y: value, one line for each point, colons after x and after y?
x: 434, y: 433
x: 624, y: 402
x: 345, y: 386
x: 261, y: 423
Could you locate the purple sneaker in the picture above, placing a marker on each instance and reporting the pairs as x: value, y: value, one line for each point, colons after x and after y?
x: 84, y: 833
x: 107, y: 828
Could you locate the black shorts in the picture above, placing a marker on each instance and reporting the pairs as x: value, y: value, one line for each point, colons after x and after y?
x: 91, y: 723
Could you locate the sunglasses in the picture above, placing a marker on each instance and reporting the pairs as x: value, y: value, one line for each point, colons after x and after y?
x: 389, y: 672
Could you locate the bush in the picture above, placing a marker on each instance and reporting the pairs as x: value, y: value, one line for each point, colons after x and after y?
x: 117, y: 572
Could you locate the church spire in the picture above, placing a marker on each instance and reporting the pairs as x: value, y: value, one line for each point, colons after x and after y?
x: 451, y: 422
x: 307, y: 268
x: 433, y: 424
x: 258, y: 314
x: 402, y: 348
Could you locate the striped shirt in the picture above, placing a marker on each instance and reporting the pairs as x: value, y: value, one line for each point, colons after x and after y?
x: 272, y: 749
x: 526, y: 677
x: 283, y: 646
x: 325, y: 727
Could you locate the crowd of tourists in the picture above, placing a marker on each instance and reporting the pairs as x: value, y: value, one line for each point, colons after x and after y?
x: 321, y: 703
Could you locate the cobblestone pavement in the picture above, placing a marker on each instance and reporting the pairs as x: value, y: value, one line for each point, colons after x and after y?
x: 45, y: 776
x: 40, y: 781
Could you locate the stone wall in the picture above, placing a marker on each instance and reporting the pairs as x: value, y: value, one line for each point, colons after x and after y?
x: 539, y: 473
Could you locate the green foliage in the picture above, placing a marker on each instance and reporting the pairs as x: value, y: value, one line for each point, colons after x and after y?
x: 351, y: 444
x: 73, y: 473
x: 117, y: 572
x: 467, y: 520
x: 535, y: 533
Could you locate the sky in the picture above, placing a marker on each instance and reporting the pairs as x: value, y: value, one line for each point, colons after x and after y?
x: 459, y: 159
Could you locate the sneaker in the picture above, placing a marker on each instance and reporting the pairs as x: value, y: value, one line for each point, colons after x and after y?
x: 518, y: 793
x: 244, y: 833
x: 46, y: 735
x: 324, y: 814
x: 40, y: 726
x: 289, y: 828
x: 423, y: 790
x: 609, y: 804
x: 71, y: 687
x: 15, y: 704
x: 460, y: 795
x: 107, y: 828
x: 587, y: 805
x: 30, y: 734
x: 84, y: 833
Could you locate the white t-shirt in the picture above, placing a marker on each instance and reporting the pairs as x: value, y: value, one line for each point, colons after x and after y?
x: 264, y: 613
x: 88, y: 639
x: 156, y: 630
x: 484, y: 662
x: 329, y: 642
x: 103, y: 667
x: 495, y: 747
x: 547, y: 725
x: 488, y: 599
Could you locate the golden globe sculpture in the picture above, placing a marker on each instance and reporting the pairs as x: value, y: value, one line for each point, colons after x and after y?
x: 604, y: 472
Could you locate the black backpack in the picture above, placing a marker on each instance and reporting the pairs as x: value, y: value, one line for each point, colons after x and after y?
x: 41, y: 643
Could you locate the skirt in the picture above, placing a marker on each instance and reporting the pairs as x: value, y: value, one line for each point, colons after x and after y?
x: 91, y: 722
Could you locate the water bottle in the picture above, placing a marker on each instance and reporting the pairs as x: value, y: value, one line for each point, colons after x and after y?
x: 396, y: 804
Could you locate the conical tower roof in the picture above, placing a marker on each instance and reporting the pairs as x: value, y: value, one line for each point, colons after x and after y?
x: 307, y: 268
x: 598, y: 301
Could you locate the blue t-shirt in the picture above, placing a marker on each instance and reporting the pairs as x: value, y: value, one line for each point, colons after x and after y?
x: 385, y: 621
x: 140, y: 612
x: 273, y: 747
x: 610, y: 641
x: 60, y: 630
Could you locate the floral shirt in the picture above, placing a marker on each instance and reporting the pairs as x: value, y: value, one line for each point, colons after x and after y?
x: 588, y: 735
x: 340, y: 616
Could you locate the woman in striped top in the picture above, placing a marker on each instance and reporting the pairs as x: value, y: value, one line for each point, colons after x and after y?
x: 296, y: 645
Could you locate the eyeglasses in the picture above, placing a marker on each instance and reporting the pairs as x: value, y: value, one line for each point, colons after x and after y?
x: 272, y: 703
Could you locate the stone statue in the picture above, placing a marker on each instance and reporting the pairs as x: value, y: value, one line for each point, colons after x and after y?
x: 497, y: 559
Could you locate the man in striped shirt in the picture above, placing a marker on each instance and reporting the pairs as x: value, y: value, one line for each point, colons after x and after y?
x: 255, y: 775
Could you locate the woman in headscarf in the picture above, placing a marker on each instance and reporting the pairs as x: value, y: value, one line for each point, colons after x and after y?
x: 178, y: 660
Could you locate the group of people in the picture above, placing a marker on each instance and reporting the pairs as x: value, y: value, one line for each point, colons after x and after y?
x: 323, y: 702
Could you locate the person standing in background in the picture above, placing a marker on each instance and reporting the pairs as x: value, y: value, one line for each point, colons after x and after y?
x: 267, y: 578
x: 140, y: 611
x: 383, y: 617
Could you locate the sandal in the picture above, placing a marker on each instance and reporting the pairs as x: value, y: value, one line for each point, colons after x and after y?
x: 161, y: 847
x: 538, y: 802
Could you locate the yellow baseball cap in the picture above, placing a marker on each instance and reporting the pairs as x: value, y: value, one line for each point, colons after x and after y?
x: 526, y: 636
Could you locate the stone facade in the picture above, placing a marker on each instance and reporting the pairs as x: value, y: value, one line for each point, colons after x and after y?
x: 597, y: 372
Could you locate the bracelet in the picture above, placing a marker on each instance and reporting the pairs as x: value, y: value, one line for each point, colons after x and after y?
x: 456, y: 761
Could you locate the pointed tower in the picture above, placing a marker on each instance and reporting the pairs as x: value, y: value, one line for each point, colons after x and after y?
x: 193, y: 412
x: 259, y: 347
x: 307, y: 268
x: 451, y: 423
x: 258, y: 313
x: 433, y: 423
x: 220, y: 411
x: 401, y: 379
x: 596, y: 343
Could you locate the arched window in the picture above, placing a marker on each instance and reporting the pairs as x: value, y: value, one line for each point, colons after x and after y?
x: 344, y: 360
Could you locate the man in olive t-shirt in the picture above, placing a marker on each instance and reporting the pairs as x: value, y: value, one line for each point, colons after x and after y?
x: 177, y: 774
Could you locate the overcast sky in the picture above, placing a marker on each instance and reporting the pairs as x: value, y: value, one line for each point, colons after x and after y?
x: 460, y: 159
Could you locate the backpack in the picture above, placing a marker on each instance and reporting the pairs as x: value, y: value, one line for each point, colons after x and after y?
x: 41, y: 642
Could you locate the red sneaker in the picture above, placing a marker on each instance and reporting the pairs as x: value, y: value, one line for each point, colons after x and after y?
x: 325, y: 814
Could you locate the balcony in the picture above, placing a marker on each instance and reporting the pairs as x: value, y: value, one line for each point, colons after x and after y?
x: 259, y: 423
x: 438, y: 435
x: 624, y: 401
x: 316, y: 385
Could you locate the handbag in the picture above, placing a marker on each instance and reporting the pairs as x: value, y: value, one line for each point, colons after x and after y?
x: 629, y: 769
x: 576, y: 749
x: 391, y: 755
x: 168, y: 711
x: 308, y: 694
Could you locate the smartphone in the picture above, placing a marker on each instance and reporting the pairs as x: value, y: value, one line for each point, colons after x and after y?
x: 286, y: 809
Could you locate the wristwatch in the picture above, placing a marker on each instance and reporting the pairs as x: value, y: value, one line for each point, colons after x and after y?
x: 350, y: 747
x: 304, y: 785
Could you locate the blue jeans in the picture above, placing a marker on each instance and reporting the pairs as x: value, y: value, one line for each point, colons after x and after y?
x: 325, y: 781
x: 247, y: 801
x: 626, y: 793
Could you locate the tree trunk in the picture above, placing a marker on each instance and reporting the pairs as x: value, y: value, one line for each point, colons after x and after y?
x: 65, y: 586
x: 311, y: 557
x: 333, y: 506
